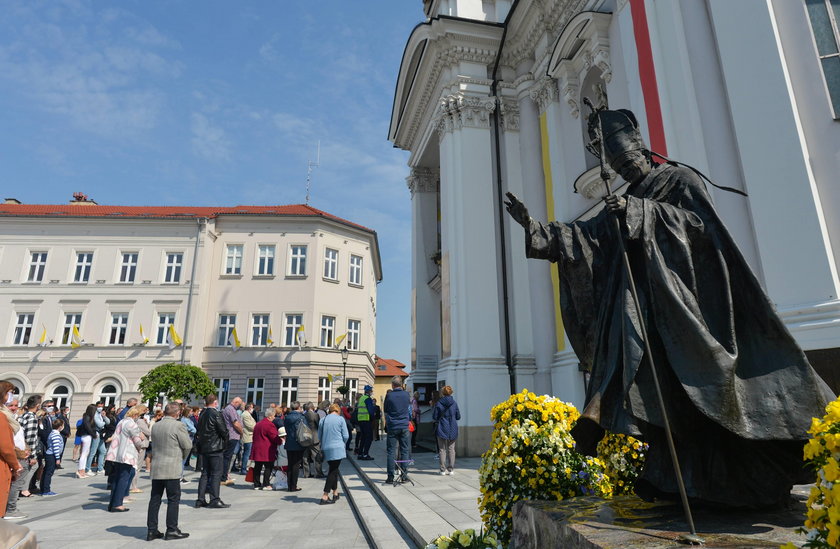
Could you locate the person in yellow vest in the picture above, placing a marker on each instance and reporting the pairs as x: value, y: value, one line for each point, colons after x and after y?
x: 364, y: 416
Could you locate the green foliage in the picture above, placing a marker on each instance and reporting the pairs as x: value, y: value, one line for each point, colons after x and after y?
x: 176, y: 381
x: 344, y: 389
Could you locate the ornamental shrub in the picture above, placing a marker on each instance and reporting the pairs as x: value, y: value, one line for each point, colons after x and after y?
x: 532, y: 456
x: 176, y: 381
x: 466, y: 539
x: 623, y: 458
x: 822, y: 452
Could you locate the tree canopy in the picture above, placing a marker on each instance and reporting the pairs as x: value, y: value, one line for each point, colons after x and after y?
x: 175, y: 380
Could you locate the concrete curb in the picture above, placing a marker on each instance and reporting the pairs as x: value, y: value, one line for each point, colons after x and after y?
x: 359, y: 517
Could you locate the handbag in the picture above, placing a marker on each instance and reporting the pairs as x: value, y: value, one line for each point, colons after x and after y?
x: 249, y: 476
x: 305, y: 437
x: 411, y: 427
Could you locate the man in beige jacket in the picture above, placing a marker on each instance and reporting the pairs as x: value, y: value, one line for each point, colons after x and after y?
x: 172, y: 444
x: 248, y: 423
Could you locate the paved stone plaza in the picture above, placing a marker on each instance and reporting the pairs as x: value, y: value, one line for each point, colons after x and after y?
x: 369, y: 514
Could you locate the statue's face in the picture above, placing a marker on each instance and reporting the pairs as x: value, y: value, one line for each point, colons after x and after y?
x: 632, y: 166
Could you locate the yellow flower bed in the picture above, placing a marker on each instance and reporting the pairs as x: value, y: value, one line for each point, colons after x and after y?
x: 532, y: 456
x: 623, y: 458
x: 822, y: 524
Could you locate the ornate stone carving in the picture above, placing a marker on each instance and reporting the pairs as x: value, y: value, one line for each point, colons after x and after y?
x: 544, y: 92
x: 423, y: 180
x: 458, y: 110
x: 510, y: 115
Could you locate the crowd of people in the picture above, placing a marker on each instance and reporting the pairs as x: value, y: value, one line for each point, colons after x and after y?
x: 272, y: 449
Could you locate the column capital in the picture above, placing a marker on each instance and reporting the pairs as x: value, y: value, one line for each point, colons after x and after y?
x: 460, y: 110
x: 423, y: 180
x: 509, y: 110
x: 544, y: 92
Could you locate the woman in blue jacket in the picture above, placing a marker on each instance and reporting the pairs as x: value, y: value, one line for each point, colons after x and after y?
x: 332, y: 431
x: 447, y: 415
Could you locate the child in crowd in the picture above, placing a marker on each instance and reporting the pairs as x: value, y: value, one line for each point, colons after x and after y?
x: 52, y: 456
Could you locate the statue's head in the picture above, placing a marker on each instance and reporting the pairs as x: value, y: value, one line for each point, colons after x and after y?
x: 624, y: 149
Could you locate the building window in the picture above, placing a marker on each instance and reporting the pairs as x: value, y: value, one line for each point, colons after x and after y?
x: 226, y: 325
x: 128, y: 268
x: 824, y: 15
x: 23, y: 328
x: 174, y: 262
x: 84, y: 262
x: 356, y: 270
x: 324, y: 389
x: 265, y: 260
x: 327, y: 331
x: 288, y: 390
x: 259, y: 330
x: 297, y: 261
x: 353, y: 384
x: 164, y: 321
x: 233, y: 261
x: 108, y: 394
x: 293, y: 324
x: 222, y: 390
x: 61, y: 396
x: 119, y: 327
x: 70, y: 320
x: 331, y: 264
x: 37, y: 265
x: 354, y: 334
x: 254, y: 391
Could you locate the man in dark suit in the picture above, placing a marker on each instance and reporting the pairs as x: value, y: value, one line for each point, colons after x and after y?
x: 211, y: 441
x: 172, y: 445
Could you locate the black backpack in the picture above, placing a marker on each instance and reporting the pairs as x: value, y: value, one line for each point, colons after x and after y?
x: 44, y: 430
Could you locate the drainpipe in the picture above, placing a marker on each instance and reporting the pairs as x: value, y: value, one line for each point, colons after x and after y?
x: 199, y: 222
x: 500, y: 198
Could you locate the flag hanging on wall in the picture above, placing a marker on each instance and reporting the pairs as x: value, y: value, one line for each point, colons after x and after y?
x: 233, y: 340
x: 301, y: 336
x: 269, y: 341
x: 43, y: 341
x: 339, y: 339
x: 143, y: 337
x: 172, y: 338
x: 76, y: 338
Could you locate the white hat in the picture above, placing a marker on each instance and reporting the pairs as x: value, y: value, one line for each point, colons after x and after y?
x: 281, y: 431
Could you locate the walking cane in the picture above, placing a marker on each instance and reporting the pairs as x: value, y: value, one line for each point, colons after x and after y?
x: 692, y: 538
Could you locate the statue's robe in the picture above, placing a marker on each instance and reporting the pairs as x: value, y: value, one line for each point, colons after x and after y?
x: 738, y: 390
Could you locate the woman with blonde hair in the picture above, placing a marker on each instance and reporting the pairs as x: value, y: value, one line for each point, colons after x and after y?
x: 447, y: 415
x: 124, y: 453
x: 146, y: 434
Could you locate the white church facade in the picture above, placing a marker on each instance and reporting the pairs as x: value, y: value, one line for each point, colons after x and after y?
x: 490, y: 99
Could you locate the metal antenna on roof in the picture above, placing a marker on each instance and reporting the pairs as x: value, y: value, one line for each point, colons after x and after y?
x: 311, y: 165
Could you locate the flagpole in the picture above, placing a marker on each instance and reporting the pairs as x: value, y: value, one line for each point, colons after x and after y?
x: 192, y: 283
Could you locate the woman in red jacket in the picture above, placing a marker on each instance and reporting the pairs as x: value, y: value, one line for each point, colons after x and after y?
x: 264, y: 449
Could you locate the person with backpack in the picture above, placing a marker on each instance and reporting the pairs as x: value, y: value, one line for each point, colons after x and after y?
x: 46, y: 415
x: 293, y: 421
x: 447, y: 415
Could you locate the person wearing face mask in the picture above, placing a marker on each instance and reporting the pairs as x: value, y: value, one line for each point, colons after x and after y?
x: 45, y: 418
x: 98, y: 445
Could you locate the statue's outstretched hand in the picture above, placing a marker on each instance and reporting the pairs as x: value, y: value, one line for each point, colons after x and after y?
x: 517, y: 210
x: 616, y: 204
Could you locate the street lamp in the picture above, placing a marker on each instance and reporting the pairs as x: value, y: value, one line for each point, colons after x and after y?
x: 344, y: 354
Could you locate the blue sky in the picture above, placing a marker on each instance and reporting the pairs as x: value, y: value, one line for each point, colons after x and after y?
x: 214, y: 103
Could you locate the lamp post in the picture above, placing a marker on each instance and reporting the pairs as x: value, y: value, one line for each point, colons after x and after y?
x: 344, y: 354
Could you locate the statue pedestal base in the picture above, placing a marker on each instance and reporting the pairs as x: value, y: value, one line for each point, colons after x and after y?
x: 627, y: 522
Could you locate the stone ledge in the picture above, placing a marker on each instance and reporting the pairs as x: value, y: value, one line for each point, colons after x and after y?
x: 627, y: 522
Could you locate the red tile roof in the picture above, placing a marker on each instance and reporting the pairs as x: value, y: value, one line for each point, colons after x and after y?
x: 389, y: 367
x: 163, y: 212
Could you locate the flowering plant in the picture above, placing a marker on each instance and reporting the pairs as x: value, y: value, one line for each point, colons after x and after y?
x: 532, y: 456
x: 623, y: 458
x: 466, y: 539
x: 822, y: 523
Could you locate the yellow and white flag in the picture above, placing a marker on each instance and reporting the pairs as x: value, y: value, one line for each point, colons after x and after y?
x: 144, y: 340
x: 329, y: 378
x: 42, y: 342
x: 75, y: 338
x: 301, y: 336
x: 269, y: 340
x: 233, y: 340
x: 172, y: 338
x: 339, y: 339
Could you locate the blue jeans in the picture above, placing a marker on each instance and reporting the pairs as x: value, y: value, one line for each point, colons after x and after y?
x: 403, y: 438
x: 49, y: 469
x: 231, y: 450
x: 246, y: 455
x: 97, y: 446
x: 123, y: 474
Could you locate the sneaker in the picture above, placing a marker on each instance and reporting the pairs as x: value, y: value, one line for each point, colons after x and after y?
x: 451, y: 472
x: 15, y: 515
x: 50, y: 493
x: 443, y: 472
x: 184, y: 481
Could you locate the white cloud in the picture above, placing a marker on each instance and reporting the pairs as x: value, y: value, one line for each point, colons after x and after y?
x: 208, y: 141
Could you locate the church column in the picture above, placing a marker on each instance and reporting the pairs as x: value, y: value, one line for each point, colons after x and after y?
x: 425, y: 276
x: 470, y: 265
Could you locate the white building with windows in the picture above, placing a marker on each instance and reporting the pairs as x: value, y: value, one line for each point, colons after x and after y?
x: 262, y: 297
x: 489, y: 99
